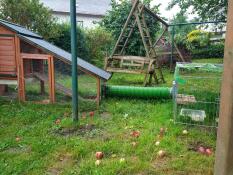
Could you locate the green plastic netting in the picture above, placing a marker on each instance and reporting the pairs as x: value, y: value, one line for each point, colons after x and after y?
x: 195, y: 68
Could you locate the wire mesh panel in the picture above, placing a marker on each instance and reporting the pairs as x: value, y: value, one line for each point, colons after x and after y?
x: 36, y: 78
x: 87, y: 86
x: 197, y: 93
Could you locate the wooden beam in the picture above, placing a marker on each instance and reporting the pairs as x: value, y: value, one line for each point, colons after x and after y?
x: 154, y: 15
x: 17, y: 61
x: 224, y: 152
x: 34, y: 56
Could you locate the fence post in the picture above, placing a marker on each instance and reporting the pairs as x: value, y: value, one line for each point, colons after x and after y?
x: 172, y: 47
x: 74, y: 59
x: 224, y: 152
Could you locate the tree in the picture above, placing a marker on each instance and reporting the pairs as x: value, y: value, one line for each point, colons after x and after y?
x: 206, y: 10
x: 63, y: 40
x: 181, y: 18
x: 31, y: 14
x: 116, y: 18
x: 98, y: 51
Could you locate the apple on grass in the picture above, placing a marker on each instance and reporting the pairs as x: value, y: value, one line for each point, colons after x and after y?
x: 99, y: 155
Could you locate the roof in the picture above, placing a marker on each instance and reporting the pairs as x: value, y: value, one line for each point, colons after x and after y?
x: 38, y: 41
x: 86, y: 7
x: 18, y: 29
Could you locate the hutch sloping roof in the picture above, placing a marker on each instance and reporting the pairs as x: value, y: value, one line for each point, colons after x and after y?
x: 37, y: 41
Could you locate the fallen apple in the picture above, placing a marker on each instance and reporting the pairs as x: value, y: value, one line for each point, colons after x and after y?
x: 161, y: 132
x: 201, y: 150
x: 157, y: 143
x: 17, y: 139
x: 122, y: 160
x: 114, y: 155
x: 92, y: 114
x: 185, y: 132
x: 208, y: 152
x: 134, y: 144
x: 97, y: 162
x: 58, y: 121
x: 99, y: 155
x: 135, y: 134
x: 161, y: 154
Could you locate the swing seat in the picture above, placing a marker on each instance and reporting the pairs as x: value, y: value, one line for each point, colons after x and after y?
x: 128, y: 64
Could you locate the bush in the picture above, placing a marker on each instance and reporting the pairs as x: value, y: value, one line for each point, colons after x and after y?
x: 212, y: 51
x: 99, y: 42
x: 63, y: 41
x: 197, y: 39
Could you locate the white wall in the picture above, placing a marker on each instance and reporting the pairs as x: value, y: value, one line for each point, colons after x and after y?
x: 87, y: 20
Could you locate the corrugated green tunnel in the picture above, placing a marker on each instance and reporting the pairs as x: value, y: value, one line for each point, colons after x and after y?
x: 138, y: 92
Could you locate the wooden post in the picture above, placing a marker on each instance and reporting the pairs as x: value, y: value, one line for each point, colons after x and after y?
x: 224, y: 153
x: 21, y: 80
x: 98, y: 98
x: 18, y: 63
x: 51, y: 80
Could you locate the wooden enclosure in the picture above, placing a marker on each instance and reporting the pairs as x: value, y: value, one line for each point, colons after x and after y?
x: 25, y: 55
x: 16, y: 63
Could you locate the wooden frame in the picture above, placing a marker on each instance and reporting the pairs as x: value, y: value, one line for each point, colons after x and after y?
x: 224, y: 152
x: 51, y: 81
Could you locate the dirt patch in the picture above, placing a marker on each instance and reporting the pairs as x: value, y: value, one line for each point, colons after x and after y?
x: 19, y: 150
x: 88, y: 130
x: 161, y: 164
x: 63, y: 161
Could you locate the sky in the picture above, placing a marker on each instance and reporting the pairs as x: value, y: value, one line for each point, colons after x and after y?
x: 169, y: 14
x: 163, y: 11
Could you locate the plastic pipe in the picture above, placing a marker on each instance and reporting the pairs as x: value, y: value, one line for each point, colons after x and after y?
x: 138, y: 92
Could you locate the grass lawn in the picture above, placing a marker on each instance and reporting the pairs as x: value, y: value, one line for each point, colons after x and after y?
x: 32, y: 142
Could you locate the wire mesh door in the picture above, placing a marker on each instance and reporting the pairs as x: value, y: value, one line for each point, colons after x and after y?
x: 37, y: 78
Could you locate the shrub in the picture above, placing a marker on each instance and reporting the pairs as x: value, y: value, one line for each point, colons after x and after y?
x: 212, y: 51
x: 197, y: 39
x: 63, y: 41
x: 99, y: 42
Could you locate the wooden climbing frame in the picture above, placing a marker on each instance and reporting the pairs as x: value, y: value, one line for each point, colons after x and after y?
x: 148, y: 65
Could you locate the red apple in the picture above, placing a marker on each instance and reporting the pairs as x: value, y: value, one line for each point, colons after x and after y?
x: 99, y: 155
x: 92, y: 114
x: 208, y: 152
x: 135, y: 134
x: 201, y: 150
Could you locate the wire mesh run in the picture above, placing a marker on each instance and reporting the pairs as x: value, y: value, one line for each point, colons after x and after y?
x: 87, y: 86
x: 197, y: 94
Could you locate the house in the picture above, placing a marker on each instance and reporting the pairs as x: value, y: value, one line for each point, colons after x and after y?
x: 88, y: 11
x: 24, y: 54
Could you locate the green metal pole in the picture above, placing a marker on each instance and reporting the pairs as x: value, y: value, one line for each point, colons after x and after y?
x: 74, y: 59
x: 172, y: 47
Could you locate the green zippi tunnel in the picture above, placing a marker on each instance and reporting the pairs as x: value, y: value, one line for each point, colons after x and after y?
x: 138, y: 92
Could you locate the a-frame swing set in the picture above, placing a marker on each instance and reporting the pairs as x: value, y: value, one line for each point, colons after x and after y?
x: 148, y: 65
